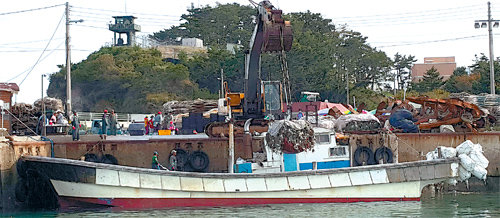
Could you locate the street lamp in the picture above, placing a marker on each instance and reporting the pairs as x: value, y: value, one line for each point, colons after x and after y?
x: 484, y: 24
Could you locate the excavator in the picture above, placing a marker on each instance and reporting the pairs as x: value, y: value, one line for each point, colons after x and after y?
x: 260, y: 99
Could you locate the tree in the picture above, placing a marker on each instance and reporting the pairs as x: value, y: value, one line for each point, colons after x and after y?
x: 460, y: 81
x: 216, y: 26
x: 323, y: 58
x: 481, y: 67
x: 127, y: 79
x: 402, y: 67
x: 431, y: 80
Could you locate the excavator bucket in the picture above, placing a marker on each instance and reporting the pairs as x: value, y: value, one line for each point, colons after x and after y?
x: 277, y: 33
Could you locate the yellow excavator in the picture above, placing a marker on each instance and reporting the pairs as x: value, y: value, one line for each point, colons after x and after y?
x: 261, y: 100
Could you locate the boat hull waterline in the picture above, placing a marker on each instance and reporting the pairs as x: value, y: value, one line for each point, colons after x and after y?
x: 94, y: 184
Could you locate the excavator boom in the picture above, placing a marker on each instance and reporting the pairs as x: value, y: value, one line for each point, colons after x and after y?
x: 271, y: 34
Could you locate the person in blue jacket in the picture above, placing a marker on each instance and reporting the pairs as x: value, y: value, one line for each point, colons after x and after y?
x: 403, y: 119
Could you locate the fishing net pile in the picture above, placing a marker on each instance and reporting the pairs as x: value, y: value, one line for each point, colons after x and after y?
x: 194, y: 106
x: 290, y: 136
x: 28, y: 114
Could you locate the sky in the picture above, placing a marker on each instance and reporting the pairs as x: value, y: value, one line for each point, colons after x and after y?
x: 32, y: 42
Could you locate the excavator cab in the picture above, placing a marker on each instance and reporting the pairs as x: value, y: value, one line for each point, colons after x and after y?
x: 273, y: 99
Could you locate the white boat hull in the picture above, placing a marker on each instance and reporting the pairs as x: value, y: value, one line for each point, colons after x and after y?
x: 128, y: 187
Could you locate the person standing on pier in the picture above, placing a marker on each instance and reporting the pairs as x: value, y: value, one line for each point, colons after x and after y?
x: 157, y: 121
x: 173, y: 160
x: 151, y: 126
x: 104, y: 124
x: 146, y: 124
x: 112, y: 122
x: 76, y: 126
x: 155, y: 164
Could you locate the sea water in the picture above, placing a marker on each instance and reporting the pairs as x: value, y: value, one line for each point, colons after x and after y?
x: 446, y: 205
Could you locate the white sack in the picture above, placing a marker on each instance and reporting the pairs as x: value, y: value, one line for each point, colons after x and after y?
x: 477, y: 147
x: 465, y: 147
x: 431, y: 155
x: 466, y: 162
x: 463, y: 174
x: 452, y: 182
x: 479, y: 159
x: 448, y: 152
x: 446, y: 128
x: 479, y: 172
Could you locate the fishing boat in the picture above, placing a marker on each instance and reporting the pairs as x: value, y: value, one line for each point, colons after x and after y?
x: 65, y: 183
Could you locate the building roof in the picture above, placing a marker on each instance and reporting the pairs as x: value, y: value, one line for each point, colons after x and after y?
x: 10, y: 87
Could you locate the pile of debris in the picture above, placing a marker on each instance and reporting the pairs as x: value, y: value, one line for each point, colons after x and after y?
x: 359, y: 123
x: 290, y: 136
x: 487, y: 101
x: 28, y: 114
x: 193, y: 106
x: 432, y: 113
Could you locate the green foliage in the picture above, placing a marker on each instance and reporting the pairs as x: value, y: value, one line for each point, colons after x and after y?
x: 216, y: 26
x: 481, y: 67
x: 402, y: 65
x: 322, y: 58
x: 460, y: 81
x: 127, y: 79
x: 367, y: 96
x: 430, y: 81
x: 436, y: 93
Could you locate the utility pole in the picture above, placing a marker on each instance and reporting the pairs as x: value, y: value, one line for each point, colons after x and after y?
x: 483, y: 24
x: 68, y: 61
x: 222, y: 94
x: 347, y: 85
x: 44, y: 129
x: 68, y: 64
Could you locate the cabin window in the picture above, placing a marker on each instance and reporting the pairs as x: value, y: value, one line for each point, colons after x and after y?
x: 322, y: 139
x: 338, y: 151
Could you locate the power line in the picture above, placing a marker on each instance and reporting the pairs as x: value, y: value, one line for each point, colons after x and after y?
x: 108, y: 17
x: 53, y: 50
x: 48, y: 43
x: 95, y: 27
x: 28, y: 10
x: 424, y: 19
x: 432, y: 41
x: 26, y: 42
x: 414, y: 17
x: 114, y: 11
x: 430, y: 20
x: 415, y: 12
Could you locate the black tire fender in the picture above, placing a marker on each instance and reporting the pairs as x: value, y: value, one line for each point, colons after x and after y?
x: 381, y: 153
x: 91, y: 158
x: 199, y: 161
x: 369, y: 153
x: 21, y: 168
x: 21, y: 190
x: 109, y: 159
x: 182, y: 159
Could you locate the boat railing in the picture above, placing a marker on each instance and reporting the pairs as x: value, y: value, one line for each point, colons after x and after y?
x: 238, y: 175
